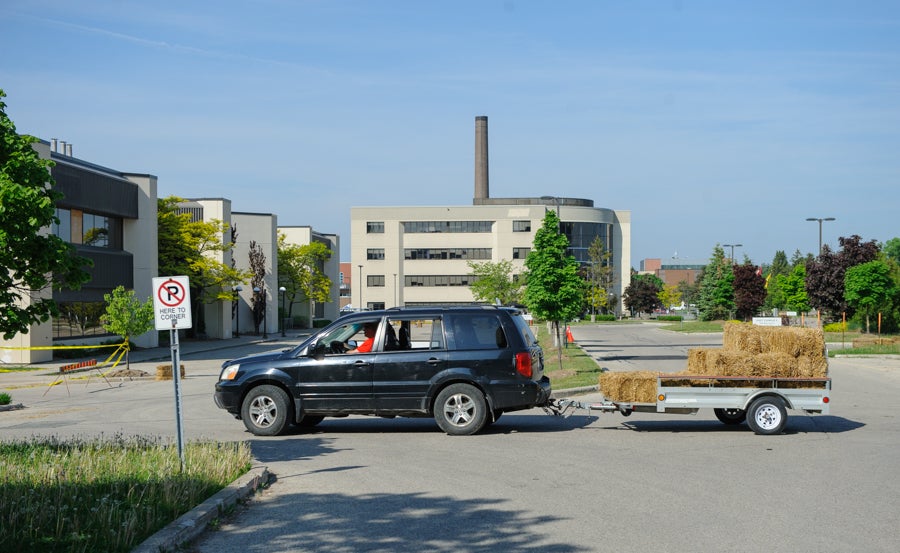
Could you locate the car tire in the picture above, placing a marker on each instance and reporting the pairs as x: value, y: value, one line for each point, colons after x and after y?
x: 731, y: 416
x: 767, y: 415
x: 460, y: 410
x: 265, y: 410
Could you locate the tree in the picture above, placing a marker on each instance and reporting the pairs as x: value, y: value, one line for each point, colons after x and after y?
x: 869, y: 287
x: 749, y: 291
x: 642, y: 295
x: 600, y: 275
x: 716, y: 297
x: 31, y: 260
x: 495, y: 282
x: 891, y: 249
x: 554, y: 290
x: 825, y: 275
x: 258, y: 283
x: 126, y: 316
x: 669, y: 296
x: 793, y: 289
x: 300, y: 271
x: 780, y: 266
x: 191, y: 248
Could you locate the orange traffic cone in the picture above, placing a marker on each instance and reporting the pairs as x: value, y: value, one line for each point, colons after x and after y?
x: 569, y: 336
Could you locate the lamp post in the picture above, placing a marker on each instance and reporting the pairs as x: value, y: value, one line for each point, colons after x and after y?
x: 256, y: 290
x: 820, y: 219
x: 237, y: 311
x: 282, y: 289
x: 732, y: 246
x: 360, y: 288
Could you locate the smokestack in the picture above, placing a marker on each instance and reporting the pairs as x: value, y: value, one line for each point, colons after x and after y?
x: 69, y: 149
x: 53, y: 145
x: 62, y: 147
x: 482, y: 190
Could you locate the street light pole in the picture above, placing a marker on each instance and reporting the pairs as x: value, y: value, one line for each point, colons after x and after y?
x: 732, y: 246
x: 820, y: 219
x: 283, y: 291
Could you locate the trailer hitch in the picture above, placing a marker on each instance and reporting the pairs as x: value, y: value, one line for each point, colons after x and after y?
x: 566, y: 407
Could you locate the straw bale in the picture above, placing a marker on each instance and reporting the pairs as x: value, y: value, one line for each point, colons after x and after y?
x: 629, y: 387
x: 164, y: 372
x: 794, y: 341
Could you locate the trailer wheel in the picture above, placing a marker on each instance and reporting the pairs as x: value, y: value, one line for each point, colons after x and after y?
x: 767, y: 415
x: 460, y: 409
x: 731, y: 416
x: 265, y: 410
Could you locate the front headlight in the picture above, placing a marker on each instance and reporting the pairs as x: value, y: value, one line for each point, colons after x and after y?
x: 229, y: 372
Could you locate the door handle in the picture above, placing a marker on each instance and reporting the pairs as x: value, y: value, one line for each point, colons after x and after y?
x: 434, y: 361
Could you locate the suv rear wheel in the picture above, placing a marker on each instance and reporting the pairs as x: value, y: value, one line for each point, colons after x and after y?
x: 460, y: 409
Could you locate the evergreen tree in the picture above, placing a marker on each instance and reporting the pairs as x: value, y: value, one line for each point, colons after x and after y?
x: 716, y: 299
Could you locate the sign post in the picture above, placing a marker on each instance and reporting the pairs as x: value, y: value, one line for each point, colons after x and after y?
x: 172, y: 304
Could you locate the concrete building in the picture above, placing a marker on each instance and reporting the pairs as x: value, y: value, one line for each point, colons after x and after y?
x: 109, y: 217
x: 226, y: 319
x: 418, y: 255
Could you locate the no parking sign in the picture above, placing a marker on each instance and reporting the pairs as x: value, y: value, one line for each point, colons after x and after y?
x: 172, y: 302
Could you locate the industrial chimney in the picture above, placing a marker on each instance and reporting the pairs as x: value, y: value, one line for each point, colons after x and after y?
x: 481, y: 158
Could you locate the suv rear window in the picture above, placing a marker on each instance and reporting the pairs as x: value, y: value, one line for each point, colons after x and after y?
x: 524, y: 329
x: 475, y: 331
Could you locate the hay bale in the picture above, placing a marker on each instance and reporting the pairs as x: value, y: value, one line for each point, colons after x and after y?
x: 164, y: 372
x: 794, y: 341
x: 629, y: 387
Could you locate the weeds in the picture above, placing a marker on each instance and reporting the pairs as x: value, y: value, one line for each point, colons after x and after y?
x: 105, y: 495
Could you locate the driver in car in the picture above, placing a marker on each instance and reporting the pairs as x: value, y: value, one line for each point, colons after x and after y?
x: 365, y: 347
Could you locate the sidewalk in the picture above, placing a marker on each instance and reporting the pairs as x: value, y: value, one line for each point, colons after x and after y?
x: 45, y: 372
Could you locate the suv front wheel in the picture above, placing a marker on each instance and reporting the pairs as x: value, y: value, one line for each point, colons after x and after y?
x: 460, y: 409
x: 265, y: 410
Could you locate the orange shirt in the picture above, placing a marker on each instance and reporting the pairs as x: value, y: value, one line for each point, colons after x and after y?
x: 366, y: 346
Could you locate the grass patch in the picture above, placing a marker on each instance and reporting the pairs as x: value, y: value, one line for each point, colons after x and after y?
x: 874, y: 349
x: 20, y: 369
x: 578, y: 368
x: 105, y: 495
x: 696, y: 326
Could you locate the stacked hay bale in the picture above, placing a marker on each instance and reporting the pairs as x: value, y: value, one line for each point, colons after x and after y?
x: 164, y: 372
x: 747, y: 350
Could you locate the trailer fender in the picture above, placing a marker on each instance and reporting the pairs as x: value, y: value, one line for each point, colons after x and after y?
x: 763, y: 393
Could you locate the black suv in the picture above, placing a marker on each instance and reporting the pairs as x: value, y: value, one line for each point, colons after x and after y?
x: 464, y: 366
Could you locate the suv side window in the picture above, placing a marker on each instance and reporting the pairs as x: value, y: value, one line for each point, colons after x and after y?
x: 406, y: 334
x: 476, y: 331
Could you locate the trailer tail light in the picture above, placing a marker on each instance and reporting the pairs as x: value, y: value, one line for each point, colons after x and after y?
x: 825, y: 399
x: 523, y: 364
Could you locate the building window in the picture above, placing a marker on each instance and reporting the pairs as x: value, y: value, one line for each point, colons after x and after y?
x: 375, y: 227
x: 375, y: 280
x: 520, y: 253
x: 64, y: 228
x: 521, y: 226
x: 447, y: 253
x: 439, y: 280
x: 447, y: 226
x: 375, y: 253
x: 79, y: 320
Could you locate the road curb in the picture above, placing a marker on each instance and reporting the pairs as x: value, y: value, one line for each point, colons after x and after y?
x: 190, y: 525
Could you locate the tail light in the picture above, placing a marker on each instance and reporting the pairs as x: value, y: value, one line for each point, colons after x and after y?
x: 523, y: 364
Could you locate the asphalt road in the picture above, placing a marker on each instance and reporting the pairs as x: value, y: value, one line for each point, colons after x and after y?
x: 532, y: 482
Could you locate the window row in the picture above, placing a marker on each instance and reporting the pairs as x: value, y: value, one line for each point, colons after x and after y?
x: 447, y: 253
x: 447, y: 226
x: 439, y: 280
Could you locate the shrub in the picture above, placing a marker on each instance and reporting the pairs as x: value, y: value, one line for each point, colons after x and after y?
x: 669, y: 318
x: 835, y: 327
x: 5, y: 398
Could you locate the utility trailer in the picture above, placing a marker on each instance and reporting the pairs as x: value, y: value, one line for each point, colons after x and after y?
x: 761, y: 401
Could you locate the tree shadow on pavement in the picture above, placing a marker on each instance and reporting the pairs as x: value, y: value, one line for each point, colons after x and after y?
x: 387, y: 522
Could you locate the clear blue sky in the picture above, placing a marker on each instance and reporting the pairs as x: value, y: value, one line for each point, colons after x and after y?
x: 711, y: 121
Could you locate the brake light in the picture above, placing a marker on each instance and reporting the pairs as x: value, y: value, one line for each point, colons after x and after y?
x: 523, y: 364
